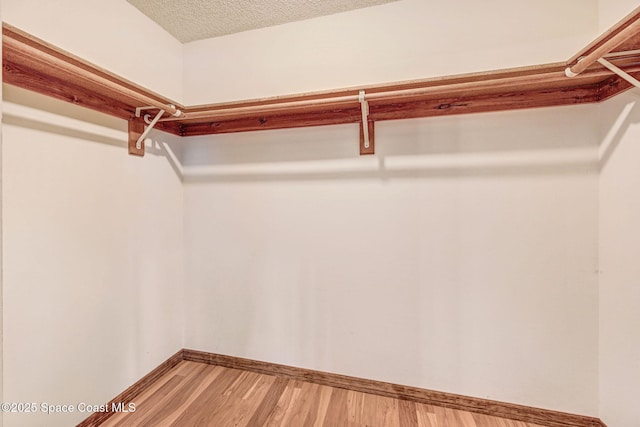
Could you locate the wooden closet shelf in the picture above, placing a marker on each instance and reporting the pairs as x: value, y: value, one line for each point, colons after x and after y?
x: 31, y: 63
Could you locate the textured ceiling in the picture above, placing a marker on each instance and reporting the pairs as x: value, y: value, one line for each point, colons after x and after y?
x: 189, y: 20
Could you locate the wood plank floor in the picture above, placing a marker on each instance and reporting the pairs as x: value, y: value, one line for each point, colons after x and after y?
x: 197, y: 394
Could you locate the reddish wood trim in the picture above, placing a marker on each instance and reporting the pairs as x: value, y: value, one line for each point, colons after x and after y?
x: 16, y: 74
x: 534, y: 81
x: 270, y: 122
x: 28, y: 41
x: 429, y: 397
x: 498, y: 83
x: 136, y: 128
x: 135, y: 390
x: 33, y: 64
x: 431, y: 106
x: 615, y: 86
x: 479, y: 92
x: 170, y: 127
x: 549, y: 73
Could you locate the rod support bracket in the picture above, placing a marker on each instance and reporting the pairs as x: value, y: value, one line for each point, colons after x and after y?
x: 569, y: 73
x: 620, y: 72
x: 137, y: 131
x: 366, y: 127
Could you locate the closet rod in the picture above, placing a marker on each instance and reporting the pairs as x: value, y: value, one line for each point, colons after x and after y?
x: 614, y: 37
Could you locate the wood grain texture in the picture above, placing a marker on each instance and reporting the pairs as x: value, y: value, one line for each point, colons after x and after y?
x: 27, y: 43
x: 197, y: 394
x: 267, y: 405
x: 423, y: 104
x: 614, y: 86
x: 419, y: 396
x: 63, y: 66
x: 136, y: 128
x: 33, y: 64
x: 148, y: 381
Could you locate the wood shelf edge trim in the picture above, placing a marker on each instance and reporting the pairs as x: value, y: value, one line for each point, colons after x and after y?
x: 32, y: 61
x: 39, y: 50
x: 414, y: 109
x: 533, y: 70
x: 615, y: 86
x: 453, y: 401
x: 499, y: 83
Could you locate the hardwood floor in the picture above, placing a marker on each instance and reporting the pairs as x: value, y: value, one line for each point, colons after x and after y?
x: 198, y: 394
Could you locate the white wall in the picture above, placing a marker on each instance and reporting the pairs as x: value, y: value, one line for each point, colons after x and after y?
x: 408, y: 39
x: 620, y: 272
x: 92, y: 257
x: 111, y: 34
x: 619, y: 237
x: 460, y: 258
x: 93, y: 237
x: 612, y: 11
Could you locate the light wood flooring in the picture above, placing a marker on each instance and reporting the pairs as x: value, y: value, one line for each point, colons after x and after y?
x: 198, y: 394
